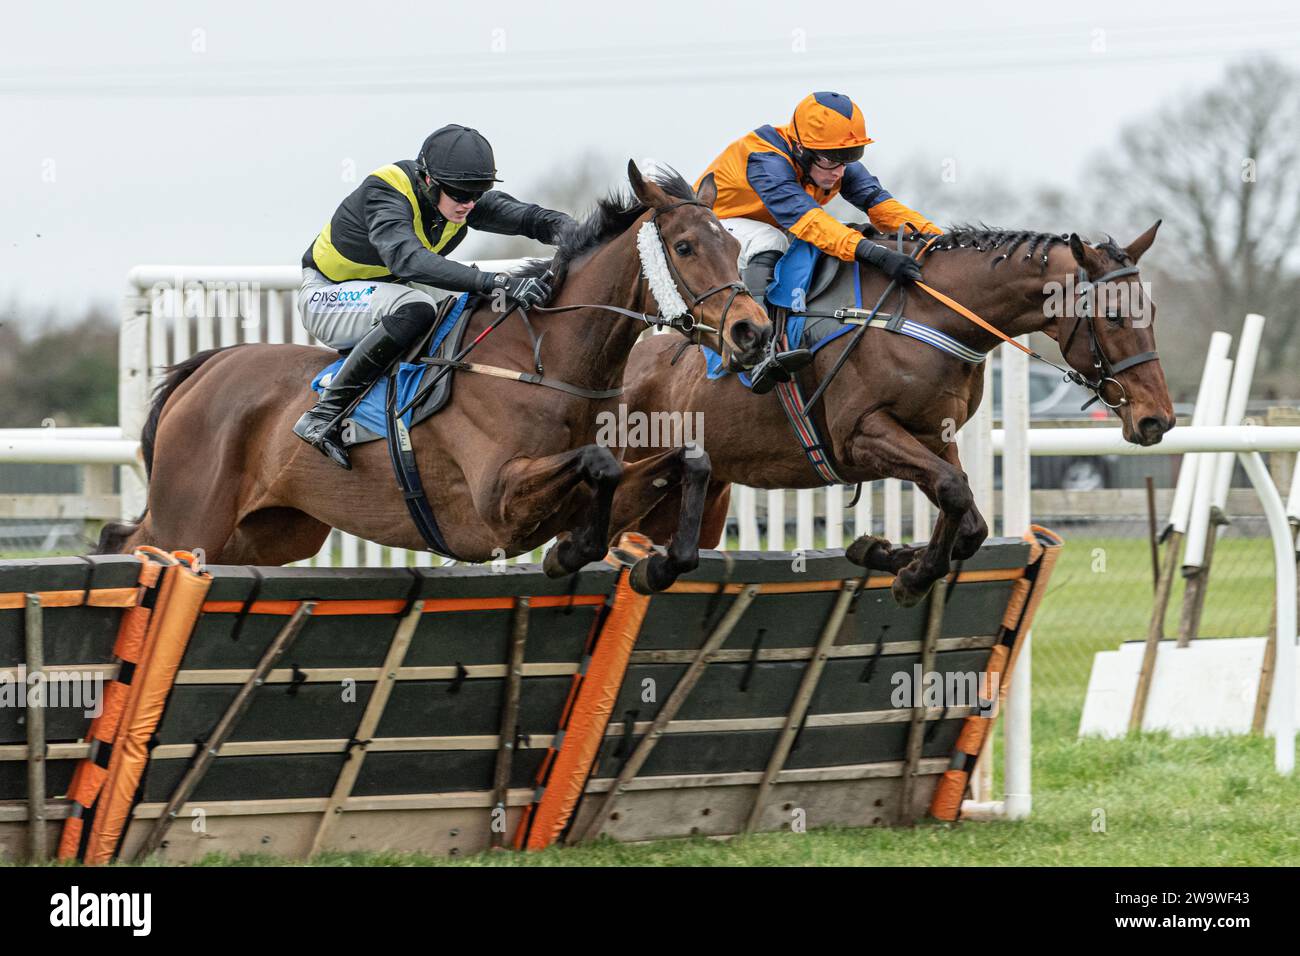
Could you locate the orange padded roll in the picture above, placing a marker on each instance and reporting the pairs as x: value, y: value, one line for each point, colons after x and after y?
x: 589, y: 716
x: 180, y: 601
x: 89, y: 775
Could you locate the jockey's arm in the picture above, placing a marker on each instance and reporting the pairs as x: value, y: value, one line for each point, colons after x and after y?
x: 774, y: 179
x: 885, y: 212
x: 388, y: 221
x: 504, y: 214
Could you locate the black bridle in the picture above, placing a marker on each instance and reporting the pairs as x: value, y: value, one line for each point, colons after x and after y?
x: 1106, y: 370
x: 736, y: 287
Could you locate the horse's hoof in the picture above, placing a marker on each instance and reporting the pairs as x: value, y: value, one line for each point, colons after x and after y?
x: 905, y: 594
x: 866, y: 549
x: 647, y: 575
x: 552, y: 565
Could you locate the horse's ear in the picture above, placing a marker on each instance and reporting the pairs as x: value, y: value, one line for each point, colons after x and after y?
x: 1086, y: 256
x: 646, y: 191
x: 1142, y: 243
x: 708, y: 191
x: 634, y: 177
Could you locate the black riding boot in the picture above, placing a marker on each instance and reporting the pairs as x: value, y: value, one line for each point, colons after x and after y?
x: 758, y: 273
x: 368, y: 360
x: 775, y: 366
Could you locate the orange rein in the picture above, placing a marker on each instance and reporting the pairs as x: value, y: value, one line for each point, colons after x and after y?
x: 962, y: 310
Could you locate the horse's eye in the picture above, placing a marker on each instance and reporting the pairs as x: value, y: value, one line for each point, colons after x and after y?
x: 683, y: 248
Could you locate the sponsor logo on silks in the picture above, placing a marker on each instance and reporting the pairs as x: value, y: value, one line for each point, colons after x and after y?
x: 341, y: 296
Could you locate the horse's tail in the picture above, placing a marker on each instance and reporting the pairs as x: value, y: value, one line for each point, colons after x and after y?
x: 115, y: 533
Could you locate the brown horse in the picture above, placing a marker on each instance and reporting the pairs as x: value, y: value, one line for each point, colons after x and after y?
x: 893, y: 409
x: 507, y: 466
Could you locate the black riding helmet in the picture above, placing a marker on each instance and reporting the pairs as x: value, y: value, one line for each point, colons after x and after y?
x: 459, y: 160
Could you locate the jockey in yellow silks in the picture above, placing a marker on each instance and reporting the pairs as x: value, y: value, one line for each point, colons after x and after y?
x: 773, y: 182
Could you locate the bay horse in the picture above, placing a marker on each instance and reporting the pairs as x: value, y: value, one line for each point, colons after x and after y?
x: 507, y: 466
x: 894, y: 407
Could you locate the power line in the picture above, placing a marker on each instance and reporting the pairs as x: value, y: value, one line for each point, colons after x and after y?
x: 662, y: 65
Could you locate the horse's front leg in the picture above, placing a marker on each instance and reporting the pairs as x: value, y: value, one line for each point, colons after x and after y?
x: 683, y: 472
x: 883, y: 445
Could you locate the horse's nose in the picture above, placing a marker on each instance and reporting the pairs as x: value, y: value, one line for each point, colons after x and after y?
x: 748, y: 337
x: 1152, y: 428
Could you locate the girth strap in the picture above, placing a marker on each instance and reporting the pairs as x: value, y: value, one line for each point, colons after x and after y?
x: 407, y: 470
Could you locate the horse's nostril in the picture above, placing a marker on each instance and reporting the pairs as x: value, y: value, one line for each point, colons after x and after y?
x: 1151, y: 427
x: 745, y: 334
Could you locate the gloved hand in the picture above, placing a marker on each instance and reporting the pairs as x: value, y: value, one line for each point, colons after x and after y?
x: 896, y: 265
x: 526, y: 291
x: 558, y: 224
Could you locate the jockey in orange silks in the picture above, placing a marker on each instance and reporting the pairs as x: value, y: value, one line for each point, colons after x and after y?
x: 774, y: 182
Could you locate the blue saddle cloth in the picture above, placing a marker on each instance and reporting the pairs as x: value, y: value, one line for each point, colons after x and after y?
x: 372, y: 412
x: 792, y: 276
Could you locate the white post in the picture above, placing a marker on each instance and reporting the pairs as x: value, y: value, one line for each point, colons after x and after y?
x: 1180, y: 509
x: 1243, y: 374
x: 1198, y: 523
x: 1016, y: 518
x: 893, y: 510
x: 835, y: 516
x: 1284, y: 688
x: 975, y: 448
x: 862, y: 510
x: 804, y: 519
x: 747, y: 518
x: 776, y: 520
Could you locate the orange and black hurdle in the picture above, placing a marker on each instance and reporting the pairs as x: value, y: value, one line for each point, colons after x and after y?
x: 295, y: 711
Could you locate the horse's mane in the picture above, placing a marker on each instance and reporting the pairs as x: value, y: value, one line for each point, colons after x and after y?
x: 984, y: 238
x: 612, y: 216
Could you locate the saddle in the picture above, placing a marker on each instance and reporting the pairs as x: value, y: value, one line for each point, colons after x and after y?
x: 368, y: 421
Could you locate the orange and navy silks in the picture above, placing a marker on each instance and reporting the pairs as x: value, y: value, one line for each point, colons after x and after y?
x: 758, y: 177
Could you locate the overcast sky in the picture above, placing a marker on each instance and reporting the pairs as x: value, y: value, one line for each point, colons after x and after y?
x: 221, y: 133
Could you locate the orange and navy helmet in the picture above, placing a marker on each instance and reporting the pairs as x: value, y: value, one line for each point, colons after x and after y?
x: 832, y: 125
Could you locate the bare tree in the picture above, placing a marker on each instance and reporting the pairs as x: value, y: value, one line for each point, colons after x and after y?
x: 1221, y: 168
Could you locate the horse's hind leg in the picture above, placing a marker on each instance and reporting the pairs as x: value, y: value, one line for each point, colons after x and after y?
x: 882, y: 444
